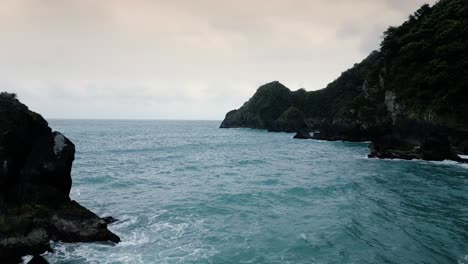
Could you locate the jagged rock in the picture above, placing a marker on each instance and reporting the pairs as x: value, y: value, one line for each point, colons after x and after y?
x: 303, y: 135
x: 109, y: 219
x: 433, y: 147
x: 35, y: 184
x: 21, y: 239
x: 38, y: 259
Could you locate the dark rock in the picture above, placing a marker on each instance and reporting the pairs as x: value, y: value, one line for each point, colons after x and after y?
x: 38, y: 259
x: 35, y: 183
x: 291, y: 120
x: 459, y: 140
x: 71, y: 222
x: 394, y: 84
x: 434, y: 146
x: 303, y: 135
x: 341, y: 133
x: 22, y: 241
x: 261, y: 111
x: 109, y: 220
x: 45, y: 173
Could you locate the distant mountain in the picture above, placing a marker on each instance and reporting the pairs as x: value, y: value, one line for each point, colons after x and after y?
x: 413, y: 89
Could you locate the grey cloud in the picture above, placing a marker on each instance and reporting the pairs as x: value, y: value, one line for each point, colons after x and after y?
x: 180, y: 58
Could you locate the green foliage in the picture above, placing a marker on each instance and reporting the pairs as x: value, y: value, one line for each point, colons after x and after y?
x: 423, y: 62
x: 269, y: 102
x: 292, y: 120
x: 339, y: 95
x: 292, y: 114
x: 427, y: 61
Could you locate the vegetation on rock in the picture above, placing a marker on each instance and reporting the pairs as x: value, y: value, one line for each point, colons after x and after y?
x: 419, y: 76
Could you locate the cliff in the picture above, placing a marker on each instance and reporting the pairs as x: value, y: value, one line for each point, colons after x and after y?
x: 35, y: 184
x: 412, y: 90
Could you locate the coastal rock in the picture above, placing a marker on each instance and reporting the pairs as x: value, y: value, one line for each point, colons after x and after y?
x: 109, y: 219
x: 433, y: 147
x: 21, y: 239
x: 404, y: 80
x: 35, y: 183
x: 303, y: 135
x: 37, y: 259
x: 341, y: 133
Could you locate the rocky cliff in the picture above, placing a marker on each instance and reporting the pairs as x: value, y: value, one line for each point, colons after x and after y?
x: 35, y: 183
x: 412, y: 90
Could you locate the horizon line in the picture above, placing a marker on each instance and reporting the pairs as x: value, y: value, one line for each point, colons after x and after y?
x: 128, y: 119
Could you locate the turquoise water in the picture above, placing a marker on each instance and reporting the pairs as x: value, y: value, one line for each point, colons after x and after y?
x: 188, y: 192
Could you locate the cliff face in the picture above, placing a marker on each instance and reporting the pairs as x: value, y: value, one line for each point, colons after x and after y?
x: 417, y: 80
x: 35, y: 184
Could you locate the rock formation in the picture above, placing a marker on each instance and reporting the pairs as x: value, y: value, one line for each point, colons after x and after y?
x: 35, y: 184
x: 418, y: 79
x: 429, y: 144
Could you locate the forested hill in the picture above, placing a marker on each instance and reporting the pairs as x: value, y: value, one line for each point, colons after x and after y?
x: 418, y: 77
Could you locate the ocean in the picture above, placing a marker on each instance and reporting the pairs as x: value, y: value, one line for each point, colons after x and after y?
x: 189, y: 192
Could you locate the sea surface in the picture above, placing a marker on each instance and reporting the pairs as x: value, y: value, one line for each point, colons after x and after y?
x: 189, y: 192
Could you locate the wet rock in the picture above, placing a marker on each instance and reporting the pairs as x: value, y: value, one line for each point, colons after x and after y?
x: 38, y: 259
x: 434, y: 147
x: 303, y: 135
x: 109, y: 220
x: 35, y: 183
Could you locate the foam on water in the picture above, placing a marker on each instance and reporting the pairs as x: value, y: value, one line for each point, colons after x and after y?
x: 188, y: 192
x: 26, y: 259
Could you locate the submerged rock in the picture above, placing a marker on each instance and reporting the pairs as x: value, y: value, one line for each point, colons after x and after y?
x: 35, y: 184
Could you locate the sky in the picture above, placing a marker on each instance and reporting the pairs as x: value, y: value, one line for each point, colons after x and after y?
x: 179, y: 59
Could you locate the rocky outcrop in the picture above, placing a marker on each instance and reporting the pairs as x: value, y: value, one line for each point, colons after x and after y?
x: 418, y: 76
x: 261, y: 111
x: 37, y: 259
x: 435, y: 147
x: 35, y: 184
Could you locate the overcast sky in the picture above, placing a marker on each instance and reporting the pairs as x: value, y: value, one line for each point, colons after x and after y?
x: 179, y: 59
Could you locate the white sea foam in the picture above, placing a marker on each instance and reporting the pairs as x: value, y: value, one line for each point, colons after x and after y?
x: 444, y: 162
x: 75, y: 192
x: 464, y: 260
x: 450, y: 162
x: 26, y: 259
x: 304, y: 236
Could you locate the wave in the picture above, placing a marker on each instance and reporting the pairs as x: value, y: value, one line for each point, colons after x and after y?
x: 443, y: 162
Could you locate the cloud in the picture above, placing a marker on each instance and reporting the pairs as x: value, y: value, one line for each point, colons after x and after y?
x: 181, y: 58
